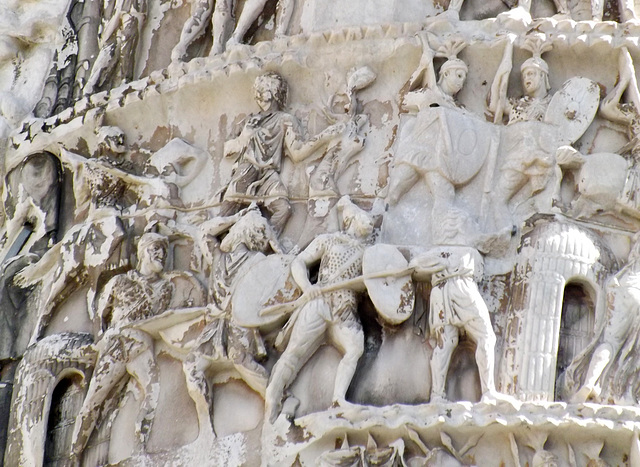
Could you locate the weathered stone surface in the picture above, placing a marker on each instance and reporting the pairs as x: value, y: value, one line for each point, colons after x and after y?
x: 319, y: 233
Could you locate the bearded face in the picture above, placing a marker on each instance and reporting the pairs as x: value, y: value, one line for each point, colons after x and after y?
x: 154, y: 257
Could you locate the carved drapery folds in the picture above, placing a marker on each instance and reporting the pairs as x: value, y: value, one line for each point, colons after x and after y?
x: 319, y: 233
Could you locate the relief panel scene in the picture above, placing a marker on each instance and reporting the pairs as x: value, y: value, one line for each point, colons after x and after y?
x: 298, y: 233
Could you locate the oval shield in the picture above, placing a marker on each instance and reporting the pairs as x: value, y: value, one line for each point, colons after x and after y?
x: 393, y: 295
x: 267, y: 283
x: 463, y: 144
x: 573, y: 108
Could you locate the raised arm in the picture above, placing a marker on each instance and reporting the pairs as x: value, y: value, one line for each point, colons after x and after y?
x: 497, y: 102
x: 234, y: 146
x: 299, y: 149
x: 425, y: 74
x: 426, y: 264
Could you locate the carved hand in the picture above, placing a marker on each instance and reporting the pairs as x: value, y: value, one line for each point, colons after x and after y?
x: 311, y: 293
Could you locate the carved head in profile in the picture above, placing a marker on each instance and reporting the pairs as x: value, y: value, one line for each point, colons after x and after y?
x: 355, y: 221
x: 270, y: 91
x: 252, y: 231
x: 152, y: 253
x: 535, y: 77
x: 453, y: 74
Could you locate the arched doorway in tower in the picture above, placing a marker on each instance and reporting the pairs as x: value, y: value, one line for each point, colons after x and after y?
x: 577, y: 324
x: 66, y: 401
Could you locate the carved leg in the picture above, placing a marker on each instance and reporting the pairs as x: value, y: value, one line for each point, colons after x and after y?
x: 193, y: 28
x: 447, y: 341
x: 194, y: 368
x: 349, y: 338
x: 621, y: 313
x: 144, y: 370
x: 252, y: 372
x: 442, y: 191
x: 561, y: 7
x: 284, y: 17
x: 110, y: 369
x: 600, y: 359
x: 403, y: 177
x: 128, y: 45
x: 222, y: 25
x: 250, y: 13
x: 102, y: 67
x: 306, y: 337
x: 42, y: 322
x: 455, y: 5
x: 510, y: 182
x: 481, y: 332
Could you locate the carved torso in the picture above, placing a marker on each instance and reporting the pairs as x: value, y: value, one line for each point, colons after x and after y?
x: 528, y: 109
x: 265, y: 134
x: 459, y: 262
x: 135, y: 297
x: 224, y: 273
x: 342, y: 259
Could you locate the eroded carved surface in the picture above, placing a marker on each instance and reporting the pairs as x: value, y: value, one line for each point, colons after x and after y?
x: 318, y: 233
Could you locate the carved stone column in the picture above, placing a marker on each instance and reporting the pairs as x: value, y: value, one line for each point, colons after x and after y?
x: 552, y: 255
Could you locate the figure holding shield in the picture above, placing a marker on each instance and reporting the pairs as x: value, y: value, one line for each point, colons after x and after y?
x: 413, y: 161
x: 527, y: 165
x: 331, y: 315
x: 223, y: 344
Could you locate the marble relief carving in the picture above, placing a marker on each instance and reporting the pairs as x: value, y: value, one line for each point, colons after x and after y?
x: 394, y: 233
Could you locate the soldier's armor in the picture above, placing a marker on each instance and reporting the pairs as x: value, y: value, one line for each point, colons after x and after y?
x: 341, y: 261
x: 136, y: 297
x: 528, y: 109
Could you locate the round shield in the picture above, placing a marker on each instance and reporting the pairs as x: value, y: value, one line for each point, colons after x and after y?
x: 267, y: 283
x: 573, y: 108
x: 392, y: 295
x: 188, y: 291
